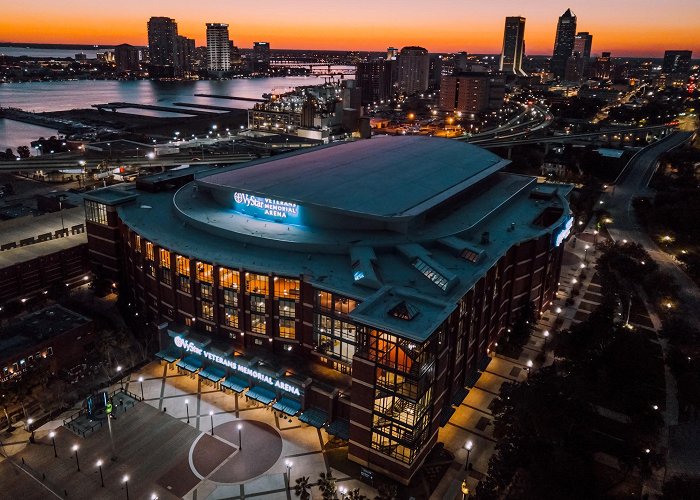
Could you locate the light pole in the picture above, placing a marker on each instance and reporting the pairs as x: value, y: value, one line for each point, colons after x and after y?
x: 469, y: 445
x: 595, y: 237
x: 546, y: 335
x: 187, y: 409
x: 126, y: 486
x: 240, y: 442
x: 558, y: 311
x: 30, y: 421
x: 102, y: 479
x: 211, y: 416
x: 52, y: 435
x: 77, y: 462
x: 141, y: 382
x: 288, y: 463
x: 529, y: 367
x: 585, y: 253
x: 119, y: 371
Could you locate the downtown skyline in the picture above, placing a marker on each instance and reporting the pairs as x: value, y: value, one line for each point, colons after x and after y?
x: 646, y: 30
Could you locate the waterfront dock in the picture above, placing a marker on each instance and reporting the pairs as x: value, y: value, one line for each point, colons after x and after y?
x: 114, y: 106
x: 231, y: 97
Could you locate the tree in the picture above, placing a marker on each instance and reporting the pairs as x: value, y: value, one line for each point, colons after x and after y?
x: 302, y: 488
x: 387, y: 492
x: 355, y: 495
x: 327, y: 485
x: 23, y: 151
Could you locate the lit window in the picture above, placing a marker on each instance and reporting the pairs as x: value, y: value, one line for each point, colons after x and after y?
x: 258, y: 284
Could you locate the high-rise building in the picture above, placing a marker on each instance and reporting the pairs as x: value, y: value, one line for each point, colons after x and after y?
x: 261, y: 56
x: 185, y: 53
x: 603, y: 66
x: 391, y: 54
x: 414, y: 69
x: 677, y: 61
x: 582, y: 47
x: 563, y: 43
x: 473, y: 92
x: 374, y: 79
x: 513, y: 46
x: 162, y: 46
x: 218, y: 48
x: 127, y: 57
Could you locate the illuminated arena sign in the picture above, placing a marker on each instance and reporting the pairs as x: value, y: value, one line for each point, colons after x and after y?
x: 189, y: 347
x: 266, y: 208
x: 564, y: 231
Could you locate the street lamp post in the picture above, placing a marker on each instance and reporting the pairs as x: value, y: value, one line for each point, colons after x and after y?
x: 187, y: 409
x: 529, y: 367
x: 52, y: 435
x: 469, y: 445
x: 141, y: 382
x: 546, y: 335
x: 288, y: 463
x: 240, y: 442
x: 30, y: 421
x: 585, y: 253
x: 126, y: 486
x: 121, y: 380
x: 102, y: 479
x: 211, y: 416
x: 77, y: 461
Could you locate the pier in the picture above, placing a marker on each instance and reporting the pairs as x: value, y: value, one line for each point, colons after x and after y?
x: 231, y: 97
x: 114, y: 106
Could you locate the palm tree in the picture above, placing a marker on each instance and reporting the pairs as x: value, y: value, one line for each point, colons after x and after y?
x: 326, y: 483
x: 302, y: 488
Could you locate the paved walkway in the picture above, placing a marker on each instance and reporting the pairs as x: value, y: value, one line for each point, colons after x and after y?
x: 473, y: 418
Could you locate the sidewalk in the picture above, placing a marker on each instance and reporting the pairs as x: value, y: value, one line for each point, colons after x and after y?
x: 473, y: 418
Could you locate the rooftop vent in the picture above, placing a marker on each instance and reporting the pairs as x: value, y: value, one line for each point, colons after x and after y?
x: 404, y: 310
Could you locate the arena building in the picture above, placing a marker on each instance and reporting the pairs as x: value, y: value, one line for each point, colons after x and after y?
x: 358, y: 286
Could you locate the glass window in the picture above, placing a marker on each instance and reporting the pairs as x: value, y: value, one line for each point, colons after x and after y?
x: 205, y: 290
x: 164, y: 258
x: 231, y: 317
x: 287, y: 328
x: 324, y: 301
x: 205, y: 272
x: 206, y: 310
x: 287, y: 308
x: 96, y: 212
x: 183, y: 265
x: 183, y: 283
x: 150, y: 253
x: 343, y: 305
x: 230, y: 298
x: 228, y: 278
x: 257, y: 303
x: 258, y: 323
x: 286, y: 288
x: 137, y: 243
x: 335, y: 338
x: 257, y: 283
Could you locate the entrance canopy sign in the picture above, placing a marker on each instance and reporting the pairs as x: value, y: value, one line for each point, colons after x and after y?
x: 191, y: 348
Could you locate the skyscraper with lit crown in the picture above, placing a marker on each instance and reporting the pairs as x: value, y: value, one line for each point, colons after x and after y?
x: 563, y: 43
x: 513, y: 46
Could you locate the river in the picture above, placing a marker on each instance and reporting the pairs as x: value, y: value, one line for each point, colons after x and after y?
x: 65, y: 95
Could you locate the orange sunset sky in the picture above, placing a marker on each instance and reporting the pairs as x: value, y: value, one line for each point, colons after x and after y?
x: 625, y: 27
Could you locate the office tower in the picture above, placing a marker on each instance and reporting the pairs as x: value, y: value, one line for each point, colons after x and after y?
x: 435, y: 72
x: 127, y: 57
x: 472, y: 92
x: 218, y: 48
x: 374, y: 79
x: 185, y: 53
x: 162, y: 41
x: 391, y: 54
x: 603, y: 66
x: 261, y: 56
x: 513, y: 46
x: 582, y: 47
x: 563, y: 43
x: 414, y: 69
x: 677, y: 61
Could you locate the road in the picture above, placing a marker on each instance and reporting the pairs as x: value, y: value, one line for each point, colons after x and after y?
x: 634, y: 182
